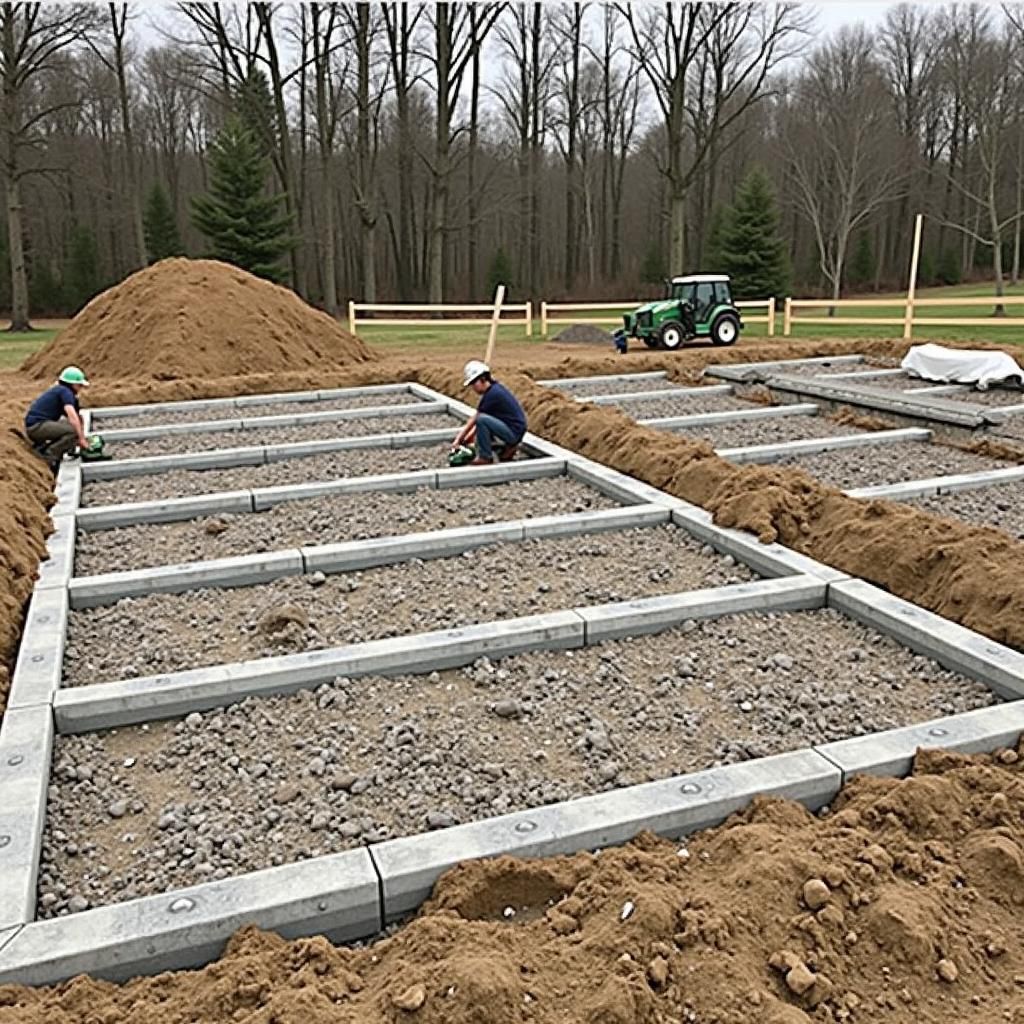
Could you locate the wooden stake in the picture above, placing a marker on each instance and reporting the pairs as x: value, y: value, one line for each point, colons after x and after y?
x: 908, y: 316
x: 499, y: 298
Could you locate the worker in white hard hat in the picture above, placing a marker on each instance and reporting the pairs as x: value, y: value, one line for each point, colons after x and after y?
x: 499, y: 420
x: 54, y: 421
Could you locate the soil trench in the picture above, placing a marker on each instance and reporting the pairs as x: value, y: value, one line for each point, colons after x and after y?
x: 177, y: 444
x: 171, y: 632
x: 328, y: 520
x: 144, y: 810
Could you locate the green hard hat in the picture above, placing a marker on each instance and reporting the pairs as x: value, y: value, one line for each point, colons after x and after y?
x: 72, y: 375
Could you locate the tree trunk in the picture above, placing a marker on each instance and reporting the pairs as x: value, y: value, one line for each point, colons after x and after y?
x: 118, y: 26
x: 472, y: 202
x: 442, y: 140
x: 19, y: 279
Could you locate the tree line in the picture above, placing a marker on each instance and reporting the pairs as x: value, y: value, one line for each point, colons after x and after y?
x: 402, y: 152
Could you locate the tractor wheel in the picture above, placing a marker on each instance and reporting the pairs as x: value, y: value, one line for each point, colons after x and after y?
x: 725, y: 330
x: 651, y: 342
x: 672, y: 335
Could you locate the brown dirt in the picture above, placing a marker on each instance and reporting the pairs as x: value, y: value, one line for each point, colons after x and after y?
x: 902, y: 905
x: 196, y: 318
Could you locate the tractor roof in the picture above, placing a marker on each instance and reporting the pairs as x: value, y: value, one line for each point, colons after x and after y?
x: 699, y: 278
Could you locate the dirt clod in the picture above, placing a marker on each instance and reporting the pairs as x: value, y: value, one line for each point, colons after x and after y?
x: 816, y: 893
x: 947, y: 971
x: 411, y: 999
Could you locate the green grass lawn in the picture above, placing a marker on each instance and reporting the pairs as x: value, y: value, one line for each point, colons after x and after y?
x: 16, y: 347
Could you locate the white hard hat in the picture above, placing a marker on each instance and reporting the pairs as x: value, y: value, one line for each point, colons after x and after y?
x: 473, y: 369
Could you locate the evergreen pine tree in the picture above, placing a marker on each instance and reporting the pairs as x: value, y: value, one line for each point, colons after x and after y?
x: 245, y: 225
x: 45, y: 291
x: 160, y: 226
x: 499, y: 272
x: 81, y: 269
x: 753, y: 253
x: 653, y: 270
x: 254, y: 107
x: 714, y: 248
x: 862, y: 266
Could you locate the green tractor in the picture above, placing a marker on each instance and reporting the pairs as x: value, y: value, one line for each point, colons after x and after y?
x: 697, y: 306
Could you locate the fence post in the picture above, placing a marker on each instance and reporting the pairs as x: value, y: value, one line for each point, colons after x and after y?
x: 771, y: 318
x: 908, y: 316
x: 351, y: 317
x: 787, y: 317
x: 543, y: 319
x: 529, y: 318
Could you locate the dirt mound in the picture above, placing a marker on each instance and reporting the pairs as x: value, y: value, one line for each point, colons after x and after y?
x: 902, y: 904
x: 585, y: 334
x: 196, y: 318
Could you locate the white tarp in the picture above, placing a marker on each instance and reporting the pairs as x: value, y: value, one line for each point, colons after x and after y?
x: 961, y: 366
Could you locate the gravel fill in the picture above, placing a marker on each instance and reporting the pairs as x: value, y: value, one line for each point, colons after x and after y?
x: 687, y: 405
x: 1001, y: 505
x: 771, y: 431
x: 146, y: 419
x: 889, y: 463
x: 180, y: 483
x: 178, y: 444
x: 172, y: 632
x: 144, y: 810
x: 993, y: 397
x: 327, y: 520
x: 619, y: 387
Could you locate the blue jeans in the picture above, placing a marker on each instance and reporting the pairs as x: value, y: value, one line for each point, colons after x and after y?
x: 488, y: 428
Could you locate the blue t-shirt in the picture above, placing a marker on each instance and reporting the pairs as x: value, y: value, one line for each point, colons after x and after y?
x: 50, y: 405
x: 499, y: 402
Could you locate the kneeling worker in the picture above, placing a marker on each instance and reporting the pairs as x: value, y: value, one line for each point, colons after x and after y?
x: 53, y: 422
x: 499, y: 418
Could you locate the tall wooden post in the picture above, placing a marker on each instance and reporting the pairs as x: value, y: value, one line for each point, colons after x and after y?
x: 499, y: 298
x: 908, y: 316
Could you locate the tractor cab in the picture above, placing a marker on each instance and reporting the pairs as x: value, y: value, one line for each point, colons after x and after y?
x: 697, y: 306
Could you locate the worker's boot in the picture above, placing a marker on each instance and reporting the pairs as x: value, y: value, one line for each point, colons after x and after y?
x: 508, y: 453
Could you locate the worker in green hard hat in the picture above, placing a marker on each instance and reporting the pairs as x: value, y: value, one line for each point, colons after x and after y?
x: 54, y: 422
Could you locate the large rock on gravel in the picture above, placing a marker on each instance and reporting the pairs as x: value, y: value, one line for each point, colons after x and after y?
x: 281, y: 617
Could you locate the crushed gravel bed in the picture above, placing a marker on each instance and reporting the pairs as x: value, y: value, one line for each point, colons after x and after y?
x: 327, y: 520
x: 992, y: 397
x: 688, y: 405
x: 180, y: 483
x: 618, y: 387
x: 889, y: 463
x: 152, y: 808
x: 147, y: 419
x: 1001, y: 505
x: 172, y: 632
x: 178, y: 444
x: 770, y: 431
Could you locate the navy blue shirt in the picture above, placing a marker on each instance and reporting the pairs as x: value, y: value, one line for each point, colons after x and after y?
x: 499, y: 402
x: 50, y: 405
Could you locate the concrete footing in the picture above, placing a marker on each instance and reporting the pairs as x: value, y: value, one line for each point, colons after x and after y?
x: 940, y: 484
x: 764, y: 453
x: 713, y: 419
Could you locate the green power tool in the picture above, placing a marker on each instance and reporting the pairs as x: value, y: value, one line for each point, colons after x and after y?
x: 463, y: 455
x: 93, y: 452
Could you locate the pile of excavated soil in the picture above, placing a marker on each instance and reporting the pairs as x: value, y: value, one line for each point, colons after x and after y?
x: 583, y: 334
x: 900, y: 905
x: 196, y: 318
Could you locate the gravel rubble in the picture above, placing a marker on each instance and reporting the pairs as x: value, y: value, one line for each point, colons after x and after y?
x: 992, y: 397
x: 687, y: 405
x: 889, y: 463
x: 177, y: 444
x: 162, y: 633
x: 770, y: 431
x: 147, y: 809
x: 228, y: 412
x: 328, y: 520
x: 619, y: 387
x: 1001, y: 505
x: 180, y: 483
